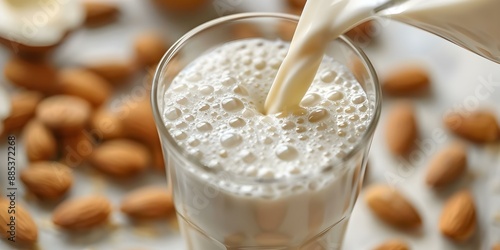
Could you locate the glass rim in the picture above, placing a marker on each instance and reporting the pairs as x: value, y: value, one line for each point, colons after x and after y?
x: 163, y: 131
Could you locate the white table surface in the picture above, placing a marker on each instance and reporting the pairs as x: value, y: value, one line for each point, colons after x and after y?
x: 456, y: 75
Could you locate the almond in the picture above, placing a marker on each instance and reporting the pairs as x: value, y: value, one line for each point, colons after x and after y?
x: 286, y: 30
x: 138, y: 121
x: 26, y: 231
x: 185, y: 5
x: 82, y: 213
x: 496, y: 247
x: 148, y: 203
x: 392, y: 207
x: 447, y: 166
x: 407, y: 80
x: 362, y: 33
x: 245, y: 30
x: 114, y: 71
x: 33, y: 75
x: 458, y: 217
x: 106, y: 125
x: 297, y: 3
x: 149, y: 49
x: 121, y: 158
x: 76, y: 149
x: 99, y: 13
x: 478, y: 126
x: 50, y: 180
x: 65, y: 115
x: 158, y: 160
x: 393, y: 245
x: 84, y: 84
x: 23, y: 106
x: 401, y: 129
x: 39, y: 142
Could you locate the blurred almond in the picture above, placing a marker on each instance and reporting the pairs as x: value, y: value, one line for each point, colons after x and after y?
x: 447, y: 166
x: 138, y: 121
x: 458, y: 217
x: 33, y: 75
x: 84, y: 84
x: 393, y: 245
x: 100, y: 13
x: 82, y: 213
x: 23, y: 106
x: 26, y: 231
x: 408, y: 80
x: 286, y: 30
x: 148, y: 203
x: 121, y: 158
x: 245, y: 30
x: 65, y: 115
x: 478, y: 126
x: 39, y: 142
x: 392, y: 207
x: 496, y: 247
x: 49, y: 180
x: 115, y: 71
x: 77, y: 148
x: 149, y: 49
x: 185, y: 5
x: 362, y: 33
x: 401, y: 129
x: 158, y: 160
x: 297, y: 3
x: 106, y: 125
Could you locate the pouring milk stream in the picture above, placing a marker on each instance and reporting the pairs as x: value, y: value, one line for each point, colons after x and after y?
x: 471, y: 24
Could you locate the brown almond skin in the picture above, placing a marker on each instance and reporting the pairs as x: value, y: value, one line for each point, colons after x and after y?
x: 65, y: 115
x: 138, y: 121
x: 148, y: 203
x: 176, y: 5
x: 393, y: 245
x: 39, y: 142
x: 458, y: 217
x: 107, y: 125
x: 297, y: 3
x: 47, y: 180
x: 401, y: 129
x: 245, y: 30
x: 82, y: 213
x: 115, y: 72
x: 37, y: 75
x: 392, y: 207
x: 409, y: 80
x: 120, y: 158
x: 479, y: 126
x: 76, y: 149
x: 84, y: 84
x: 23, y: 106
x: 149, y: 49
x: 98, y: 13
x: 26, y: 229
x: 447, y: 166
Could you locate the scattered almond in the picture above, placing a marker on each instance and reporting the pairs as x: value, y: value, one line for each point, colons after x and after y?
x: 458, y: 217
x: 84, y: 84
x: 447, y: 166
x: 393, y: 245
x: 148, y: 203
x: 99, y: 13
x: 39, y: 143
x: 106, y: 125
x: 401, y: 129
x: 75, y: 149
x: 478, y: 126
x: 49, y: 180
x: 65, y: 115
x: 392, y: 207
x: 149, y: 49
x: 138, y: 121
x: 23, y: 106
x: 26, y: 230
x: 82, y: 213
x: 408, y: 80
x: 121, y: 158
x: 115, y: 71
x: 33, y: 75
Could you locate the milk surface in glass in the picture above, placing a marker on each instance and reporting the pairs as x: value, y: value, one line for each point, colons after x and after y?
x: 214, y: 109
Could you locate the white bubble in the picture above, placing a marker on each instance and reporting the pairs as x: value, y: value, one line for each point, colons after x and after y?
x: 288, y: 125
x: 230, y: 140
x: 182, y: 100
x: 179, y: 135
x: 204, y: 127
x: 335, y: 96
x: 173, y: 113
x: 240, y: 90
x: 328, y: 76
x: 206, y: 90
x: 259, y: 63
x: 237, y: 122
x: 358, y: 99
x: 310, y: 100
x: 286, y: 152
x: 194, y: 77
x: 193, y: 142
x: 232, y: 104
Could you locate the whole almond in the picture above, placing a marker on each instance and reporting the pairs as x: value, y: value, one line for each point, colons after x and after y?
x: 33, y: 75
x: 26, y: 231
x: 65, y: 115
x: 148, y: 203
x: 121, y: 158
x: 447, y: 165
x: 39, y: 142
x: 392, y: 207
x: 23, y: 106
x: 393, y: 245
x: 99, y: 13
x: 82, y: 213
x: 114, y: 71
x: 458, y: 217
x: 84, y: 84
x: 76, y: 149
x: 106, y: 125
x: 401, y: 129
x: 149, y: 49
x: 138, y: 121
x: 407, y: 80
x: 478, y: 126
x: 47, y: 180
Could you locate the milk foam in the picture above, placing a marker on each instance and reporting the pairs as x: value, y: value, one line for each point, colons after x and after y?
x: 214, y: 110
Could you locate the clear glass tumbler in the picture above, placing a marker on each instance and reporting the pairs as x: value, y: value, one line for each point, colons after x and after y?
x: 212, y: 217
